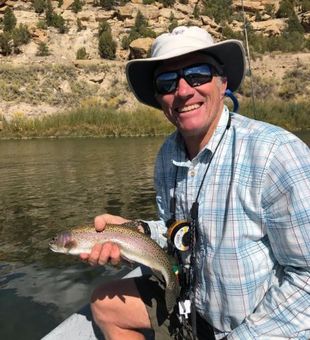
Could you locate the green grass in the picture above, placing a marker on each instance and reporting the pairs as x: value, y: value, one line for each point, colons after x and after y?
x: 97, y: 121
x: 293, y: 116
x: 91, y: 121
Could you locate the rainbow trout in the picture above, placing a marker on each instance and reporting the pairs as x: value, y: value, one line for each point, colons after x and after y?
x: 134, y: 247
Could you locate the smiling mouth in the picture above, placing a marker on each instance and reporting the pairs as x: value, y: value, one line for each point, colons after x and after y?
x: 188, y: 108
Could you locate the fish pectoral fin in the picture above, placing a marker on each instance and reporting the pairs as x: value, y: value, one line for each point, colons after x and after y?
x: 70, y: 244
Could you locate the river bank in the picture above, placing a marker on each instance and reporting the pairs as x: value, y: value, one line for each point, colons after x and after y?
x: 99, y: 121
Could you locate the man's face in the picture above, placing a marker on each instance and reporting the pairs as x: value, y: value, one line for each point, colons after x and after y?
x: 192, y: 109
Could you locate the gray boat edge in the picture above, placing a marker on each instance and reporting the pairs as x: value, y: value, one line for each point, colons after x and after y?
x: 80, y: 325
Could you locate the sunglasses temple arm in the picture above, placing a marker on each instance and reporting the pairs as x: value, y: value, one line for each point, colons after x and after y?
x: 234, y: 99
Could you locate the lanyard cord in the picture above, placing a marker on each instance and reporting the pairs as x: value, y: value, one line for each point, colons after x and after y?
x: 190, y: 289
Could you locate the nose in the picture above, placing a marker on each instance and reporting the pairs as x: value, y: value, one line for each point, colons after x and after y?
x: 184, y: 89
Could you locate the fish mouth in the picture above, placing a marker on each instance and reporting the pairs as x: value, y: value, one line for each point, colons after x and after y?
x: 52, y: 246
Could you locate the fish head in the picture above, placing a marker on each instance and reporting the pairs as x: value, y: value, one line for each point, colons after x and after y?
x: 63, y: 243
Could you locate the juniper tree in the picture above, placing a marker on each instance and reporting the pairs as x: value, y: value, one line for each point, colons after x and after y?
x: 9, y: 20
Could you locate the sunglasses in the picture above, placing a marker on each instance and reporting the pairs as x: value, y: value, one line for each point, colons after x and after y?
x: 194, y: 75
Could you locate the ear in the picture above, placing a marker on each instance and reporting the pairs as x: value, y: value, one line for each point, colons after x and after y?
x: 223, y: 86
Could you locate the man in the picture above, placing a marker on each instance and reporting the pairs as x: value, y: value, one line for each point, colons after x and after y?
x: 242, y: 185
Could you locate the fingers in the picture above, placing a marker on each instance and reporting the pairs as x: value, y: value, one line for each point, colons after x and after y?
x: 108, y: 252
x: 101, y: 220
x: 102, y: 254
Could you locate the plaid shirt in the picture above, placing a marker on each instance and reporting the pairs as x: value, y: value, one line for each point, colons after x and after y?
x: 253, y: 248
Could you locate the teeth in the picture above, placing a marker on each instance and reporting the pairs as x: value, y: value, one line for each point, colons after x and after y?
x: 188, y: 108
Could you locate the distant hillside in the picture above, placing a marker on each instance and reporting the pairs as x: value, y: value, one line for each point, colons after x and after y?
x: 61, y: 64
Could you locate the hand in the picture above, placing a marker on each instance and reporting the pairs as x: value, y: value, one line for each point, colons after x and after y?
x: 108, y: 252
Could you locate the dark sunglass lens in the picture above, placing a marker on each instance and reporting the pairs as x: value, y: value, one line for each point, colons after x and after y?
x: 198, y: 75
x: 166, y: 82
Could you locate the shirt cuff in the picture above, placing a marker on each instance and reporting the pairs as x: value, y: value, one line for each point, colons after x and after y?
x: 158, y: 229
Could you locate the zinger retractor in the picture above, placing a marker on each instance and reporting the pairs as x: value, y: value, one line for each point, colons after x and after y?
x: 178, y: 234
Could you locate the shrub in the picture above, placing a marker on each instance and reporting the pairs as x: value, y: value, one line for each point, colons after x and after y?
x: 286, y: 9
x: 81, y: 54
x: 125, y: 42
x: 9, y: 41
x: 77, y: 6
x: 230, y: 34
x: 305, y: 5
x: 9, y: 20
x: 107, y: 46
x: 293, y: 24
x: 167, y: 3
x: 104, y: 26
x: 173, y: 22
x: 59, y: 22
x: 220, y: 10
x: 196, y: 12
x: 270, y: 10
x: 21, y: 35
x: 6, y: 43
x: 42, y: 50
x: 39, y: 6
x: 42, y: 24
x: 49, y: 13
x: 107, y: 4
x: 139, y: 30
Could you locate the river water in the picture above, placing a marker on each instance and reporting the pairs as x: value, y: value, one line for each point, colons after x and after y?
x: 49, y: 185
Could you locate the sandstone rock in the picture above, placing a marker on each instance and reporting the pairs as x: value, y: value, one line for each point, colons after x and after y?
x: 65, y: 87
x: 139, y: 48
x: 150, y: 12
x: 104, y: 15
x: 126, y: 12
x: 270, y: 27
x: 187, y: 10
x: 11, y: 4
x: 67, y: 4
x: 38, y: 34
x: 305, y: 21
x: 2, y: 9
x: 209, y: 22
x: 250, y: 6
x: 97, y: 78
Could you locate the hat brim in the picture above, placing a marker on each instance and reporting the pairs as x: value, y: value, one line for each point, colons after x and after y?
x: 230, y: 53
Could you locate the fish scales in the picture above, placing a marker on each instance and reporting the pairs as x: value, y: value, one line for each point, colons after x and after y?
x: 134, y: 246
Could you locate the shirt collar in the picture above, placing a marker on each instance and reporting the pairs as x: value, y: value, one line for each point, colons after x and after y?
x: 204, y: 155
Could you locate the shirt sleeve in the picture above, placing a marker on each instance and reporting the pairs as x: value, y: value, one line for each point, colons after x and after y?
x: 285, y: 310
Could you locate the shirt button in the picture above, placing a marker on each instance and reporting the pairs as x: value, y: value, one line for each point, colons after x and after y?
x: 192, y: 173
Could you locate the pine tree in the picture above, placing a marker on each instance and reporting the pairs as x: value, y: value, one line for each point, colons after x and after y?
x: 107, y: 46
x: 9, y: 20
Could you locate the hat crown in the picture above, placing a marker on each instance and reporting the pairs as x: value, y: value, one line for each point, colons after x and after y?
x: 182, y: 39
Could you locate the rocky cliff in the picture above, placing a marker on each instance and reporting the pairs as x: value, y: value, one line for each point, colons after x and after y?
x: 98, y: 79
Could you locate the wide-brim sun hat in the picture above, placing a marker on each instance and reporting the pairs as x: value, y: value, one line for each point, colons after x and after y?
x: 181, y: 41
